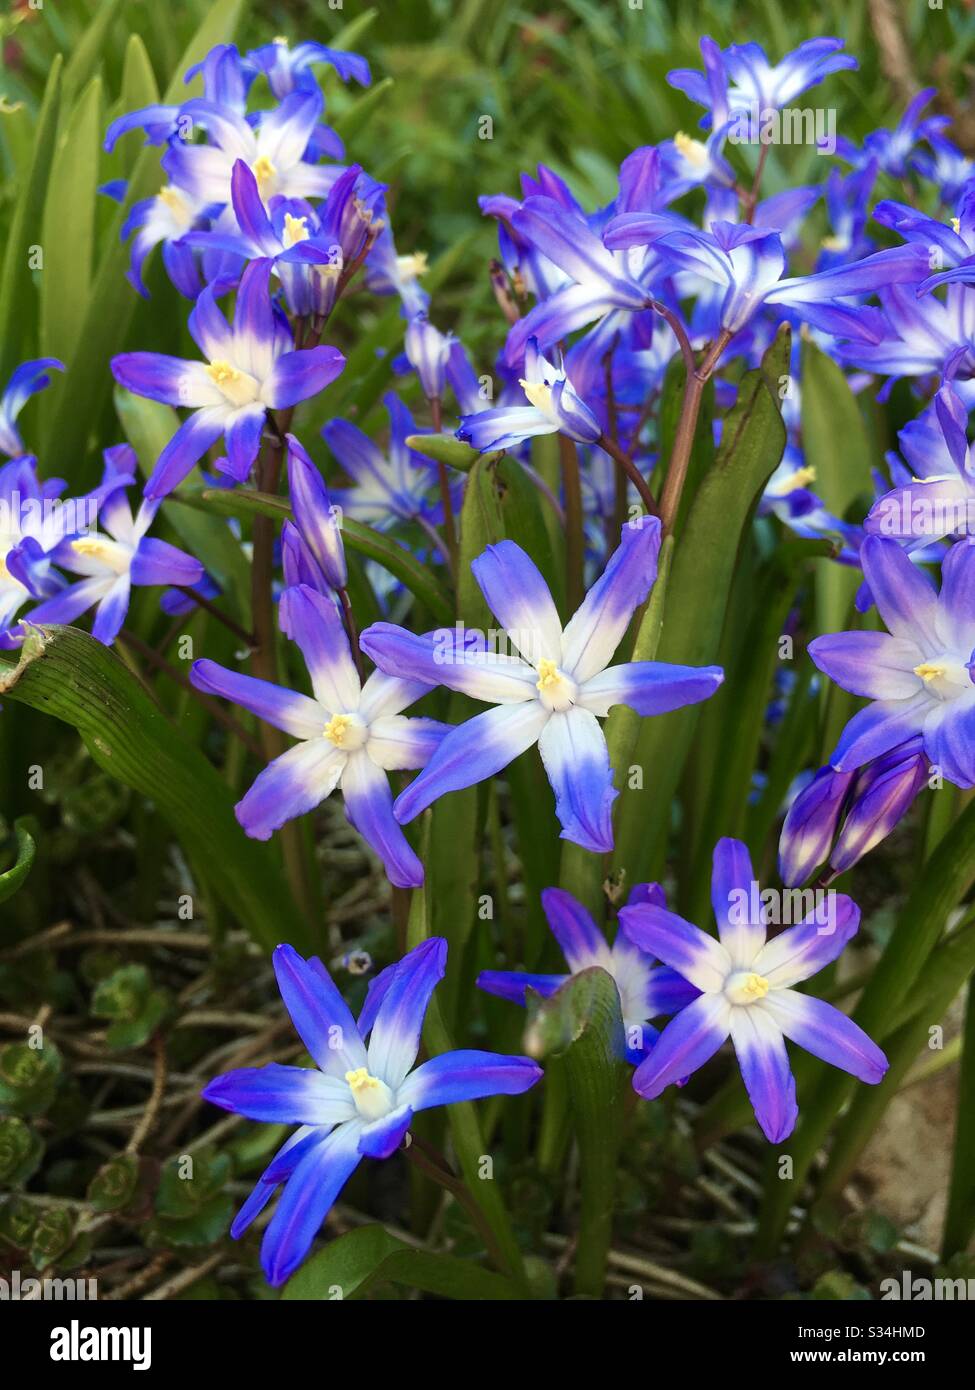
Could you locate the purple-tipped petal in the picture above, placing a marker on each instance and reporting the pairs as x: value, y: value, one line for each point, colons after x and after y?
x: 732, y: 882
x: 396, y: 1032
x: 282, y: 1095
x: 295, y: 782
x: 826, y: 1033
x: 369, y: 807
x: 467, y: 1075
x: 765, y: 1071
x: 383, y: 1137
x: 320, y: 1015
x: 582, y: 942
x: 308, y: 1196
x: 684, y: 947
x: 873, y: 664
x: 806, y: 948
x: 576, y: 760
x: 687, y: 1042
x: 596, y: 630
x: 649, y: 687
x: 285, y: 709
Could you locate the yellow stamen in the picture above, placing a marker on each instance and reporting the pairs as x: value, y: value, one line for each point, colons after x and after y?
x: 803, y: 476
x: 360, y: 1080
x: 756, y: 986
x: 335, y: 730
x: 548, y: 674
x: 263, y: 170
x: 690, y: 149
x: 223, y: 373
x: 411, y: 267
x: 295, y: 229
x: 956, y: 225
x: 173, y: 199
x: 834, y: 243
x: 538, y: 394
x: 930, y: 670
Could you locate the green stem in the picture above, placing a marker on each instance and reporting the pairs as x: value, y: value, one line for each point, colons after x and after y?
x: 574, y: 542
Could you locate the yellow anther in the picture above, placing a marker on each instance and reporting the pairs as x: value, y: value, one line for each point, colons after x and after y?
x: 834, y: 243
x: 263, y: 170
x: 745, y: 987
x: 295, y: 229
x: 956, y: 225
x: 360, y: 1080
x: 538, y: 394
x: 335, y: 730
x: 412, y: 267
x: 690, y: 149
x: 171, y: 198
x: 756, y: 986
x: 548, y: 674
x: 90, y: 546
x: 803, y: 476
x: 223, y: 373
x: 930, y: 670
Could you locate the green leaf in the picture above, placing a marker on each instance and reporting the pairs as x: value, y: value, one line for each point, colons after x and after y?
x: 752, y: 441
x: 65, y: 673
x: 444, y: 448
x: 71, y: 407
x: 16, y: 289
x: 68, y: 231
x: 12, y: 878
x: 399, y: 561
x: 361, y: 1260
x: 352, y: 121
x: 960, y: 1216
x: 582, y: 1022
x: 88, y: 52
x: 836, y: 444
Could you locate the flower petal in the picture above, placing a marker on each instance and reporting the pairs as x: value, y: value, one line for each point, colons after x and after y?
x: 826, y: 1033
x: 874, y: 664
x: 314, y: 624
x: 320, y: 1015
x: 679, y: 944
x: 396, y: 1032
x: 286, y: 709
x: 308, y: 1196
x: 467, y: 1075
x: 804, y: 949
x: 472, y: 751
x: 689, y: 1040
x: 282, y: 1095
x: 517, y: 594
x: 576, y: 760
x: 649, y: 687
x: 369, y: 807
x: 296, y: 782
x: 765, y: 1071
x: 383, y: 1137
x: 732, y: 881
x: 582, y: 942
x: 597, y: 628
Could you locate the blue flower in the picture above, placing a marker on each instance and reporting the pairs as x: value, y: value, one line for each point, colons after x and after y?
x: 746, y: 992
x: 26, y: 379
x: 754, y: 83
x: 361, y: 1098
x: 289, y: 69
x: 553, y: 692
x: 646, y: 990
x: 918, y: 675
x: 350, y: 735
x: 748, y: 261
x: 863, y: 806
x: 317, y: 520
x: 554, y: 407
x: 252, y: 368
x: 388, y: 486
x: 114, y: 559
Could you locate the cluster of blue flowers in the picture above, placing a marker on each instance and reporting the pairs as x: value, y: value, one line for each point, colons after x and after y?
x: 260, y: 205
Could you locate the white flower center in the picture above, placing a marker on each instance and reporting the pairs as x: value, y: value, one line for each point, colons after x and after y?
x: 239, y: 387
x: 349, y: 732
x: 556, y: 690
x: 373, y: 1098
x: 745, y: 987
x: 945, y: 676
x: 105, y: 552
x: 295, y: 229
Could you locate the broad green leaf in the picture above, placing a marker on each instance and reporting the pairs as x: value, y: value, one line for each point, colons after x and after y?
x: 88, y: 52
x: 361, y: 1260
x: 68, y: 233
x: 65, y: 673
x: 582, y: 1023
x: 960, y: 1216
x: 421, y: 582
x: 12, y: 878
x: 17, y: 289
x: 837, y: 447
x: 138, y: 89
x: 752, y: 441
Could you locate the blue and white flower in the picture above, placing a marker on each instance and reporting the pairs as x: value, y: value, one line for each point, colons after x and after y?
x: 351, y: 735
x: 553, y: 692
x: 359, y: 1100
x: 747, y: 994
